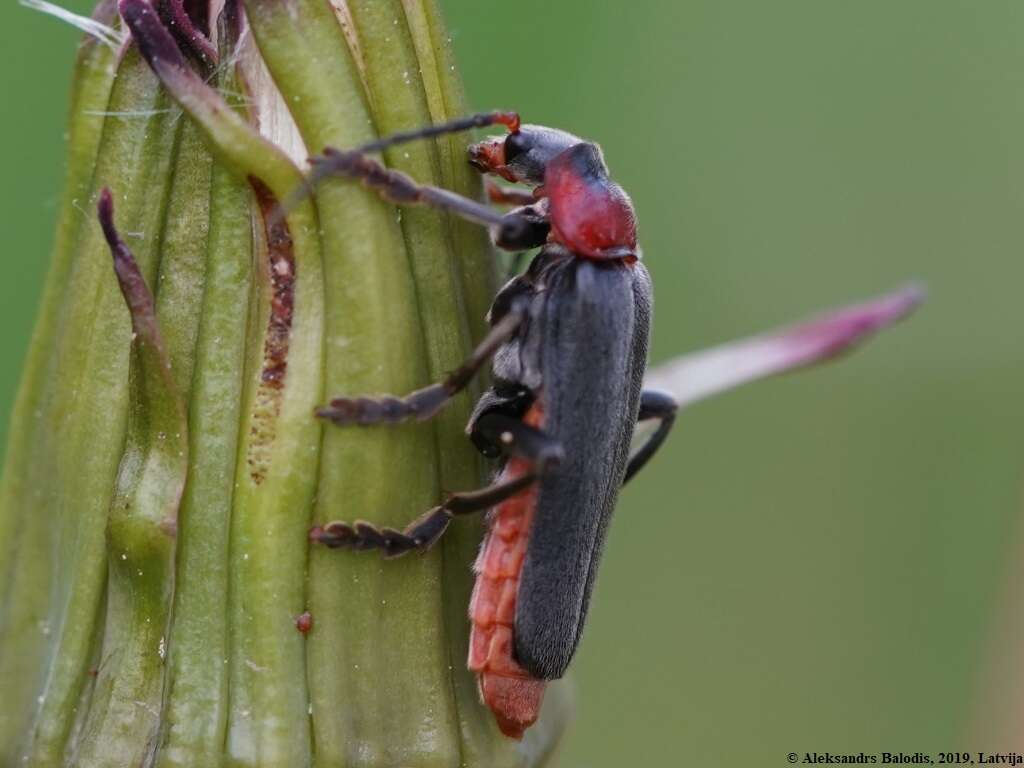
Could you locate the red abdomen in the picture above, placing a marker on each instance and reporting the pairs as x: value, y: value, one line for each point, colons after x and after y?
x: 512, y: 694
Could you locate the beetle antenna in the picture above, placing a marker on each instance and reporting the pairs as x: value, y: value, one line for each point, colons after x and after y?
x: 323, y: 169
x: 479, y: 120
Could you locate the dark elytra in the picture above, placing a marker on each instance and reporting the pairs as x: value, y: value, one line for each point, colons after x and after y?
x: 582, y: 352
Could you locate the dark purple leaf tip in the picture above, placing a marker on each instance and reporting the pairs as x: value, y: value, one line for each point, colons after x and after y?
x: 105, y: 210
x: 133, y: 286
x: 186, y: 29
x: 156, y: 44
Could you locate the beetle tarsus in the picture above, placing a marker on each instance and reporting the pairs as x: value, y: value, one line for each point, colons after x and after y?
x: 365, y: 411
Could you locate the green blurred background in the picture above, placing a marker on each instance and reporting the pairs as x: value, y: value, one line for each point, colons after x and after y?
x: 816, y: 562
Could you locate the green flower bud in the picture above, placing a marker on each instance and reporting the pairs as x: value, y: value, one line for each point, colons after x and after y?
x: 165, y: 466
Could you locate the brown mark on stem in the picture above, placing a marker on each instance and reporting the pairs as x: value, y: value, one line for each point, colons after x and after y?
x: 281, y: 267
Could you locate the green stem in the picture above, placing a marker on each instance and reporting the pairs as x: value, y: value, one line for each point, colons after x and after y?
x: 124, y: 713
x: 268, y: 722
x: 447, y: 99
x: 90, y: 406
x: 260, y: 309
x: 366, y: 614
x: 196, y: 714
x: 402, y: 101
x: 26, y: 540
x: 183, y: 254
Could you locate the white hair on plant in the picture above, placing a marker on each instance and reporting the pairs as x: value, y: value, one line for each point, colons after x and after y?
x: 105, y: 34
x: 131, y: 114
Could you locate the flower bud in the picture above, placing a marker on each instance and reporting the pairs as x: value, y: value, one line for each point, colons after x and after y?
x: 165, y: 465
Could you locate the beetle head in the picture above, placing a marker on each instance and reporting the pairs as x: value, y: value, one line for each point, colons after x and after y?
x: 521, y: 156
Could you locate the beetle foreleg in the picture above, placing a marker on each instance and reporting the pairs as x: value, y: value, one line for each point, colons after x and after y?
x: 526, y: 227
x: 653, y: 405
x: 423, y: 403
x: 501, y: 195
x: 398, y: 188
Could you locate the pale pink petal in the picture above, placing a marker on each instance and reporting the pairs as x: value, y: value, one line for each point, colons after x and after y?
x: 705, y: 373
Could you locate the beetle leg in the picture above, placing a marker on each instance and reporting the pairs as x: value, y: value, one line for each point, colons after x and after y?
x: 398, y: 188
x: 423, y: 403
x: 501, y: 195
x: 511, y: 437
x: 526, y: 227
x: 517, y: 439
x: 653, y: 405
x: 425, y: 530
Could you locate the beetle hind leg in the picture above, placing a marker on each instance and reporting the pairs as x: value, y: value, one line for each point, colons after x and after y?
x: 653, y: 405
x: 423, y: 532
x: 541, y: 451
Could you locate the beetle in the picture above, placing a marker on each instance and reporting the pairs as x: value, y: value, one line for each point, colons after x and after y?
x: 568, y: 338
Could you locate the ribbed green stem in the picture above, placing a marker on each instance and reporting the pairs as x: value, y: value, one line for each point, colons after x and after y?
x: 476, y: 257
x: 197, y: 677
x: 90, y: 407
x: 446, y: 99
x: 374, y: 622
x: 27, y: 540
x: 268, y: 722
x: 401, y: 100
x: 262, y: 319
x: 125, y: 709
x: 183, y: 255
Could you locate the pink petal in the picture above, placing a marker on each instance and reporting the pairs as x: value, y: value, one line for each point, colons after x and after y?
x: 702, y: 374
